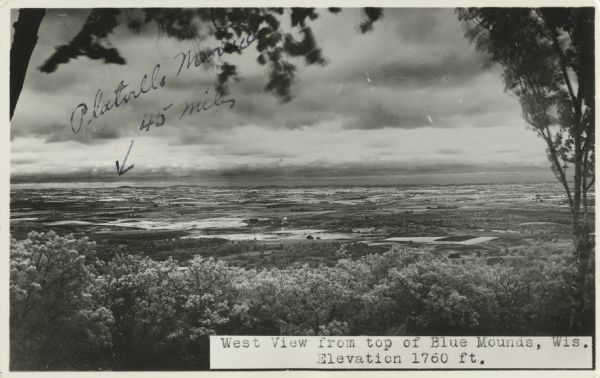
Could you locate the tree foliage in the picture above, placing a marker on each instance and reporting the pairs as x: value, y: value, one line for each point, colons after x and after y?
x: 54, y: 321
x: 276, y: 43
x: 71, y: 311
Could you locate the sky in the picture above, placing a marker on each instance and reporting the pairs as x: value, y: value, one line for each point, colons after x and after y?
x: 411, y: 101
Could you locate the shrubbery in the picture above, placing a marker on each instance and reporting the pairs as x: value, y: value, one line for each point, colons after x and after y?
x: 72, y: 311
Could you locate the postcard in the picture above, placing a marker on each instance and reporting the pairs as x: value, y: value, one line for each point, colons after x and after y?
x: 338, y: 189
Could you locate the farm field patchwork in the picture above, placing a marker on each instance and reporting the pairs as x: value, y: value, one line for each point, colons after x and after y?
x: 279, y: 226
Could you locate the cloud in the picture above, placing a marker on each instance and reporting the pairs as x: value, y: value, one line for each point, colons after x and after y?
x: 449, y: 151
x: 412, y: 89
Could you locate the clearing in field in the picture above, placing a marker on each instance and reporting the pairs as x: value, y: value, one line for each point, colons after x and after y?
x: 456, y: 239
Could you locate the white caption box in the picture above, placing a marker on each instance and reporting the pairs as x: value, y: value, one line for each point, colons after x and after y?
x: 399, y: 352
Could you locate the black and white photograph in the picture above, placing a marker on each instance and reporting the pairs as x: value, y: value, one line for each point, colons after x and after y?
x: 183, y: 179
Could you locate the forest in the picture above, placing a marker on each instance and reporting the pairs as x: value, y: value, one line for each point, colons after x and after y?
x: 70, y: 310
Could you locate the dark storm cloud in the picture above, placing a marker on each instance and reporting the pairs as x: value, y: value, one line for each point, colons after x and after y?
x: 419, y: 24
x: 411, y: 87
x: 453, y: 65
x: 92, y: 136
x: 383, y: 84
x: 377, y: 115
x: 22, y: 161
x: 449, y: 151
x: 274, y: 174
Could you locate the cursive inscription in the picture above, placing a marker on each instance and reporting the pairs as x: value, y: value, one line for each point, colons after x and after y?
x: 122, y: 95
x: 202, y: 57
x: 190, y: 108
x: 159, y: 117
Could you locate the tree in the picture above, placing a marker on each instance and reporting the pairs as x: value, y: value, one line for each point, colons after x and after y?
x: 70, y: 311
x: 54, y: 323
x: 142, y: 296
x: 547, y: 55
x: 276, y: 47
x: 164, y: 313
x: 24, y: 40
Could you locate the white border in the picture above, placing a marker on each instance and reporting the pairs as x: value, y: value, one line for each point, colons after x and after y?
x: 6, y: 5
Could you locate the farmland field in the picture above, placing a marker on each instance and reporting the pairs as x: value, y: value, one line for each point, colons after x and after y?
x: 279, y: 226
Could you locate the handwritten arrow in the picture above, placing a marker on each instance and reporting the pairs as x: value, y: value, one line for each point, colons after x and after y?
x: 120, y: 169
